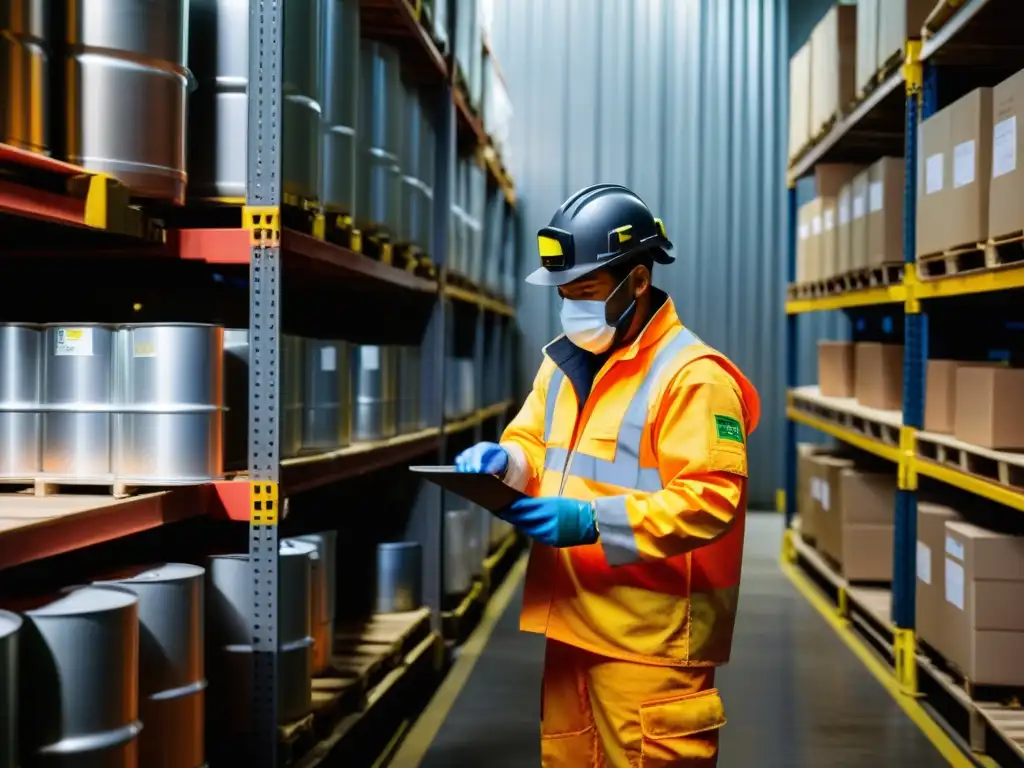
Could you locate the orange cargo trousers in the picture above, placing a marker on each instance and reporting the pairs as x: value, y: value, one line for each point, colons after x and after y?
x: 598, y: 712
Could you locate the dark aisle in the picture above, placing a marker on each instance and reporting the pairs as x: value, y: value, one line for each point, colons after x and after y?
x: 795, y: 695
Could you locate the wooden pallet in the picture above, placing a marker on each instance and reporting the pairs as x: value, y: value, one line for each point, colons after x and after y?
x: 1003, y: 467
x: 972, y: 258
x: 883, y: 426
x: 48, y: 485
x: 855, y: 280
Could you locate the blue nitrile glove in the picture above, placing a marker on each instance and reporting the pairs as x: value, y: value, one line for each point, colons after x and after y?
x: 553, y: 520
x: 483, y: 458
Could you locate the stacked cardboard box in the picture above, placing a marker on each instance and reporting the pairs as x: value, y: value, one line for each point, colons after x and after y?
x: 982, y: 614
x: 831, y: 181
x: 833, y: 64
x: 867, y: 43
x: 931, y: 574
x: 940, y: 394
x: 858, y: 254
x: 1006, y: 196
x: 835, y: 368
x: 885, y: 212
x: 878, y: 375
x: 799, y: 100
x: 989, y: 408
x: 953, y: 190
x: 823, y: 467
x: 806, y: 490
x: 898, y: 20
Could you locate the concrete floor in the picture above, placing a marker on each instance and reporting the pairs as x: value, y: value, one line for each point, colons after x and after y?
x: 794, y: 694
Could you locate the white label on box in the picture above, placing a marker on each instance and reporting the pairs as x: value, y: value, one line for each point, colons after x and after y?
x: 815, y: 488
x: 369, y: 358
x: 826, y: 502
x: 805, y: 231
x: 844, y: 210
x: 328, y: 359
x: 816, y: 225
x: 933, y: 172
x: 954, y: 583
x: 73, y: 342
x: 954, y: 548
x: 1004, y: 147
x: 924, y: 562
x: 963, y: 164
x: 858, y: 207
x: 875, y: 196
x: 830, y: 220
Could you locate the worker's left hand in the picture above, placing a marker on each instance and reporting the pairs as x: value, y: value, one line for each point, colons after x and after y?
x: 553, y: 520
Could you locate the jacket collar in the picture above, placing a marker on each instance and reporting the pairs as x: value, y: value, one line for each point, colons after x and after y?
x: 664, y: 319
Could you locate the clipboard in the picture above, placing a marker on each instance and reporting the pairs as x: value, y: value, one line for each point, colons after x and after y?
x: 488, y: 491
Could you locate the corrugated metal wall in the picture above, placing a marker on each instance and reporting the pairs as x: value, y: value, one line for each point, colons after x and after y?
x: 684, y: 101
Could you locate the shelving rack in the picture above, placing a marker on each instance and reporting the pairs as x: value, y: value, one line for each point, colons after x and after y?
x: 107, y: 223
x: 967, y: 45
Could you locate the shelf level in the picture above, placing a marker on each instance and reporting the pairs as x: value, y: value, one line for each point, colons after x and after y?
x: 461, y: 425
x: 893, y: 294
x: 479, y: 300
x: 398, y: 22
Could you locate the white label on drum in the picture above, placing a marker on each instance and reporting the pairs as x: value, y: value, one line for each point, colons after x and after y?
x: 369, y: 358
x: 73, y: 341
x: 328, y: 359
x: 144, y: 349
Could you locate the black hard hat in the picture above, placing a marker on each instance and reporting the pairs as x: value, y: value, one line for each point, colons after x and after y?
x: 598, y: 226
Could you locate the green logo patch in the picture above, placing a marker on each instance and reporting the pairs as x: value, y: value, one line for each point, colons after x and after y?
x: 728, y: 428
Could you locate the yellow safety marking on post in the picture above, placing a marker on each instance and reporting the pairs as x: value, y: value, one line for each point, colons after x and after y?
x: 913, y: 72
x: 263, y: 223
x: 912, y: 302
x: 843, y: 604
x: 879, y: 670
x: 906, y: 475
x: 263, y: 502
x: 319, y: 226
x: 905, y: 652
x: 356, y: 241
x: 780, y: 500
x: 386, y: 253
x: 788, y: 547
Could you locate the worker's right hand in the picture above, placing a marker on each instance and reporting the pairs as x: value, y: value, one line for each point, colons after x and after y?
x: 483, y: 458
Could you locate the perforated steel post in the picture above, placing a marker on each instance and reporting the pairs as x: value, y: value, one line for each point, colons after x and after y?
x: 792, y: 367
x: 262, y: 217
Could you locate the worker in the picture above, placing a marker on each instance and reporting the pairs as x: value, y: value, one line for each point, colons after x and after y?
x: 631, y: 450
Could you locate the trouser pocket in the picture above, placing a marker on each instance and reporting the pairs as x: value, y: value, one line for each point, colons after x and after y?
x: 569, y: 750
x: 682, y: 731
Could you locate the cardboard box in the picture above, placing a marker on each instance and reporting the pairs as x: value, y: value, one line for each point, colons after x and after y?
x: 989, y: 408
x: 867, y: 42
x: 878, y: 375
x: 806, y: 490
x: 799, y: 99
x: 803, y: 236
x: 830, y: 178
x: 833, y: 67
x: 814, y: 221
x: 931, y: 573
x: 859, y: 222
x: 844, y: 215
x: 1006, y: 195
x: 857, y: 533
x: 835, y: 368
x: 940, y: 394
x: 828, y: 244
x: 984, y: 606
x: 932, y: 183
x: 885, y: 211
x: 898, y: 20
x: 825, y: 494
x: 971, y: 140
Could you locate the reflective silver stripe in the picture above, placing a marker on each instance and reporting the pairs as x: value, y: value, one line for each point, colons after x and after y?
x: 616, y: 472
x: 617, y: 538
x: 550, y: 400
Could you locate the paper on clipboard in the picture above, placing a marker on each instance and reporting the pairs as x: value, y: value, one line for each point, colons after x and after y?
x: 486, y: 490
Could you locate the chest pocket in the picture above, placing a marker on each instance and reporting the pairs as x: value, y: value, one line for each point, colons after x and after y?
x: 620, y: 466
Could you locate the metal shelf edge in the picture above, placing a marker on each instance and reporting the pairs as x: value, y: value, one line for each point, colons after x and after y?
x: 960, y: 18
x: 888, y: 452
x: 894, y: 294
x: 1000, y: 494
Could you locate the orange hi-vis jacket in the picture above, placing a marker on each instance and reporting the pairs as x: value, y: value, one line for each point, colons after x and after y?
x: 659, y: 446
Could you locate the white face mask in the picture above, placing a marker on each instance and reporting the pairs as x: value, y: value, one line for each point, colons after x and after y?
x: 585, y: 325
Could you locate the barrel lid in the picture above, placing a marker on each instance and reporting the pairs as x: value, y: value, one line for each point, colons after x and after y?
x: 156, y: 574
x: 129, y: 326
x: 389, y: 545
x: 297, y: 547
x: 84, y: 600
x: 321, y: 539
x: 9, y: 623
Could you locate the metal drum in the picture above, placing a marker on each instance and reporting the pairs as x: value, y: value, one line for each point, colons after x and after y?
x: 408, y: 408
x: 79, y: 669
x: 374, y: 395
x: 236, y: 398
x: 327, y: 422
x: 324, y: 610
x: 10, y: 624
x: 458, y: 576
x: 78, y: 365
x: 399, y: 577
x: 467, y: 385
x: 172, y: 678
x: 24, y: 78
x: 21, y: 366
x: 229, y: 631
x: 341, y: 105
x: 410, y: 163
x: 317, y: 585
x: 127, y: 84
x: 379, y: 189
x: 424, y: 226
x: 479, y: 539
x: 290, y: 395
x: 170, y: 395
x: 219, y: 109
